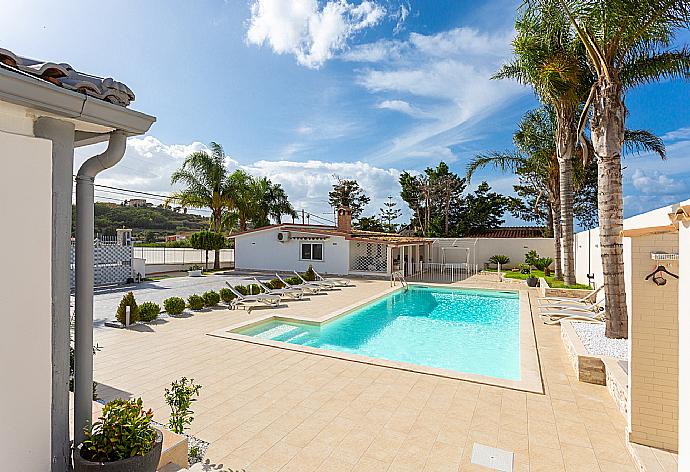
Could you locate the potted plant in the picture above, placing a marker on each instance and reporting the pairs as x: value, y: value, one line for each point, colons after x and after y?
x: 532, y: 281
x: 194, y: 271
x: 122, y: 440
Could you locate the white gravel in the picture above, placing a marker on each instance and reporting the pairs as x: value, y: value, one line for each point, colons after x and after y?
x: 597, y: 344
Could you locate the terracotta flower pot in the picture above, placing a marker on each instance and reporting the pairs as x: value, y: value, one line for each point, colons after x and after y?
x: 146, y: 463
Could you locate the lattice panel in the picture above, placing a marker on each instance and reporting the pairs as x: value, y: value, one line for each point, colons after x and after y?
x: 368, y: 257
x: 112, y: 264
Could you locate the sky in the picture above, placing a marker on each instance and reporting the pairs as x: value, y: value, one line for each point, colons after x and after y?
x: 302, y: 91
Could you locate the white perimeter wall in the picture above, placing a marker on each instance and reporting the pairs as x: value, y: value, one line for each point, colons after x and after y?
x: 25, y: 291
x: 588, y: 254
x: 261, y: 250
x: 514, y: 248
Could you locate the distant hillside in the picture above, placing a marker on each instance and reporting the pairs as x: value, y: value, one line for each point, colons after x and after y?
x: 154, y: 222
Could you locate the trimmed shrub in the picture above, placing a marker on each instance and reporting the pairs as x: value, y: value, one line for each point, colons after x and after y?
x: 128, y: 301
x: 499, y: 259
x: 294, y: 280
x: 309, y: 275
x: 211, y: 298
x: 174, y: 305
x: 254, y: 289
x: 226, y: 295
x: 275, y: 283
x: 149, y: 311
x: 195, y: 302
x: 243, y: 289
x: 525, y: 268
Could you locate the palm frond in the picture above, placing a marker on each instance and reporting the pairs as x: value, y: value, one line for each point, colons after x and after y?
x: 641, y: 141
x: 503, y: 161
x: 645, y: 67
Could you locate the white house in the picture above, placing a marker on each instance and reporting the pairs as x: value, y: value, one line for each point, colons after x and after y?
x: 336, y: 249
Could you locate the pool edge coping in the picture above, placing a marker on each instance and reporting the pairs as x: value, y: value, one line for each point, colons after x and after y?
x: 530, y: 369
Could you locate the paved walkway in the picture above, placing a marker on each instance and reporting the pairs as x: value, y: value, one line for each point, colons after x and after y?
x: 268, y: 409
x: 106, y: 300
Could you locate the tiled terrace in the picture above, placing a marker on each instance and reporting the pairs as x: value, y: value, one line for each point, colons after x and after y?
x: 269, y: 409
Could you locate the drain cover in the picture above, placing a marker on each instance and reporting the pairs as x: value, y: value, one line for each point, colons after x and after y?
x: 493, y: 458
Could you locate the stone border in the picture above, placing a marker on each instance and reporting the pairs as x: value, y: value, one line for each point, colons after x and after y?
x: 530, y: 381
x: 599, y: 370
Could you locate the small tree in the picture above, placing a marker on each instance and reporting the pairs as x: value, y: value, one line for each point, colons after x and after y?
x: 121, y: 314
x: 180, y: 397
x: 207, y: 241
x: 390, y: 213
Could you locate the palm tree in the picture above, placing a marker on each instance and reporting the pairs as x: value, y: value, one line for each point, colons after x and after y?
x: 550, y: 58
x: 627, y: 44
x: 255, y: 200
x: 204, y: 176
x: 536, y: 158
x: 536, y: 161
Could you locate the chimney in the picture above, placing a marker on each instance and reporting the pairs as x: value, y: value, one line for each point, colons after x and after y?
x: 344, y: 219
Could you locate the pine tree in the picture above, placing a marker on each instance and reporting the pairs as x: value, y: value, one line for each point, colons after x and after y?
x: 389, y: 213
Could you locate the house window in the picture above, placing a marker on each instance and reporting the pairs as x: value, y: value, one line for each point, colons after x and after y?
x: 312, y: 251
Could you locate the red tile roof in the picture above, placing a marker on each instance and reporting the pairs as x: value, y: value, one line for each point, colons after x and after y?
x: 63, y: 75
x: 511, y: 232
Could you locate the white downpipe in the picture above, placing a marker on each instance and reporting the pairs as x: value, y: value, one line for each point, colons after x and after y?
x: 84, y: 273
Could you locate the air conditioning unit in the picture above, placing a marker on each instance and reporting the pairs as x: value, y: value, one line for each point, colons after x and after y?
x: 284, y: 236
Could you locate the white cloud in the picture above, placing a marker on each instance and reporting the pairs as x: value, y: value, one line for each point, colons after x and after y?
x: 313, y: 34
x: 451, y: 70
x: 655, y: 183
x: 148, y: 164
x: 402, y: 106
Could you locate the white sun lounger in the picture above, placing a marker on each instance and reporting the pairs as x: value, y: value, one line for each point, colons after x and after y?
x: 321, y: 283
x: 555, y: 317
x: 290, y: 292
x: 335, y: 281
x: 304, y: 287
x: 574, y: 304
x: 586, y: 299
x: 265, y: 298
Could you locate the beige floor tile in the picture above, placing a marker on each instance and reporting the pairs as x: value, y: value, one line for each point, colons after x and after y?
x: 292, y: 411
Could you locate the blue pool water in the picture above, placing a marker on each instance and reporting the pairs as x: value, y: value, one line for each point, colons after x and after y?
x: 469, y: 331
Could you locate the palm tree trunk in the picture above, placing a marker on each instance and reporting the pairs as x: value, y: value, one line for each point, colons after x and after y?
x: 556, y: 218
x: 607, y: 128
x: 565, y: 140
x: 216, y: 254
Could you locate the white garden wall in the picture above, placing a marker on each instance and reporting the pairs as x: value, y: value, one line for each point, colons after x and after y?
x: 261, y: 250
x: 25, y: 347
x: 588, y: 254
x: 481, y: 249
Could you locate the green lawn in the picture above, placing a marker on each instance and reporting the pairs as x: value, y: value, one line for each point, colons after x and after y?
x: 538, y: 273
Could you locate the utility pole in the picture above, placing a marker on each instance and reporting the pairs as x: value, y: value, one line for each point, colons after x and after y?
x: 302, y: 215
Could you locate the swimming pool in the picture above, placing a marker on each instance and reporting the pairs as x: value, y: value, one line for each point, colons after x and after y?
x: 471, y: 331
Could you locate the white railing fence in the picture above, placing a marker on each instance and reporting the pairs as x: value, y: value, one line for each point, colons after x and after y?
x: 440, y: 272
x: 169, y: 255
